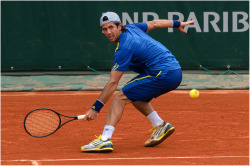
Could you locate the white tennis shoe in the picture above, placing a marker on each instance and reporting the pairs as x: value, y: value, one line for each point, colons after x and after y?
x: 159, y: 134
x: 98, y: 145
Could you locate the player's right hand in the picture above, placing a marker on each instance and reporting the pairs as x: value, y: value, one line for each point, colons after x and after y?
x: 90, y: 115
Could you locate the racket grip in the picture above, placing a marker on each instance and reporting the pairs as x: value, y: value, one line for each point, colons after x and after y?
x: 80, y: 117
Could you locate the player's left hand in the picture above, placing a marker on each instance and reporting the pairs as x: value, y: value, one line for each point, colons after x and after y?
x: 185, y: 24
x: 90, y: 115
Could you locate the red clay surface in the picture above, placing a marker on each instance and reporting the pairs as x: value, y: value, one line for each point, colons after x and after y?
x: 212, y: 129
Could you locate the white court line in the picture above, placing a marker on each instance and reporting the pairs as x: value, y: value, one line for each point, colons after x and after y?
x: 133, y: 158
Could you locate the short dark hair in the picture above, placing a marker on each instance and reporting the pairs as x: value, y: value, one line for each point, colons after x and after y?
x: 123, y: 27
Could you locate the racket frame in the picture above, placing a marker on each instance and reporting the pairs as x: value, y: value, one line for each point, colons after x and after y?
x: 60, y: 121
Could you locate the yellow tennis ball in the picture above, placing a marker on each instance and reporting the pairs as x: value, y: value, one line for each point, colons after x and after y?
x: 194, y: 93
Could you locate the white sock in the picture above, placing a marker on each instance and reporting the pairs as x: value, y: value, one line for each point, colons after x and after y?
x: 154, y: 118
x: 107, y: 132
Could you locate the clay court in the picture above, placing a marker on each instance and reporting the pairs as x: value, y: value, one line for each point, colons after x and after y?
x: 212, y: 129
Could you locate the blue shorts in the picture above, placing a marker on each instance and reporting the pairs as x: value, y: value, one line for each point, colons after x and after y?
x: 145, y: 87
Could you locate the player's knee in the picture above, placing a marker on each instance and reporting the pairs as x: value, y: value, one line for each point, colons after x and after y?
x: 119, y: 96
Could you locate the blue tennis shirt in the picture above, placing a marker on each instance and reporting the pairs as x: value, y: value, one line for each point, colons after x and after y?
x: 141, y: 53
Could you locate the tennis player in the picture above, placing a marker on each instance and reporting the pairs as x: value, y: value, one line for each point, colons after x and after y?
x: 159, y: 73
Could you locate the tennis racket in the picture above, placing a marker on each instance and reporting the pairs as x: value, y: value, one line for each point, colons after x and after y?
x: 43, y: 122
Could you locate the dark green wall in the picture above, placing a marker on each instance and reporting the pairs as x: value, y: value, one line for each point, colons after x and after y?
x: 44, y: 35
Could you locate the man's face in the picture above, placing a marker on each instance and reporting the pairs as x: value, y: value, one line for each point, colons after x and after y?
x: 112, y: 32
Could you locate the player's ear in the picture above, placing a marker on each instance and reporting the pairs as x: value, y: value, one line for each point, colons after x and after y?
x: 120, y: 27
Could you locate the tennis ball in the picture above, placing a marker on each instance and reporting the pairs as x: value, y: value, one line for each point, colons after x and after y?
x: 194, y: 93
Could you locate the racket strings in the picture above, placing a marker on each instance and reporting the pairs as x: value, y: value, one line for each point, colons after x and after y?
x: 38, y: 126
x: 42, y: 122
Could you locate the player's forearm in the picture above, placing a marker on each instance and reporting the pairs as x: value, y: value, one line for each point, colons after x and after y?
x: 163, y: 23
x: 155, y: 24
x: 108, y: 91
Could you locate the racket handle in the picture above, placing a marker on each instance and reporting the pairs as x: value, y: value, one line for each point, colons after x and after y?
x: 80, y: 117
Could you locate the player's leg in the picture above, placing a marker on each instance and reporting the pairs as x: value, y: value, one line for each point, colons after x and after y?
x: 170, y: 81
x: 116, y: 108
x: 144, y: 107
x: 147, y: 109
x: 145, y: 88
x: 103, y: 143
x: 162, y: 129
x: 114, y: 114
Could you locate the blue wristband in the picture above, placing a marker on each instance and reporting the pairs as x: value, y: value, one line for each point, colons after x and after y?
x: 97, y: 106
x: 176, y: 24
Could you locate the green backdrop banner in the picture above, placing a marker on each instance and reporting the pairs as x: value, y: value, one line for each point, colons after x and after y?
x: 67, y: 35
